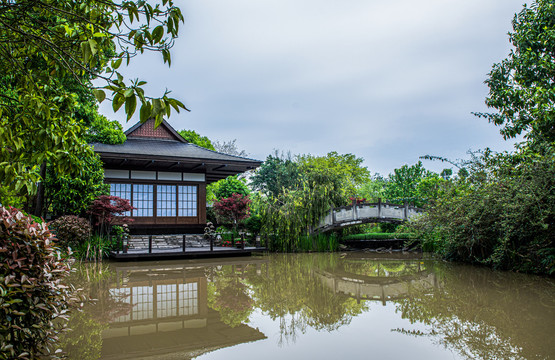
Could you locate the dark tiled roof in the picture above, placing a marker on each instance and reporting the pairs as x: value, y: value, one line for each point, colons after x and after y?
x: 166, y: 149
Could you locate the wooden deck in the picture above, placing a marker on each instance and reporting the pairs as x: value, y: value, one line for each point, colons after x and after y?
x: 178, y: 253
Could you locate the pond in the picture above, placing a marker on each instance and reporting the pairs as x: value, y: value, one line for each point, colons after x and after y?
x: 299, y: 306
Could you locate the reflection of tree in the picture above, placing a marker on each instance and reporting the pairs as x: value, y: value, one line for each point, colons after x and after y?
x: 83, y: 340
x: 228, y: 295
x: 291, y: 293
x: 485, y: 315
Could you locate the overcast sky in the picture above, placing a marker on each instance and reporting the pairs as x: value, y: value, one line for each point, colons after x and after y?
x: 388, y: 81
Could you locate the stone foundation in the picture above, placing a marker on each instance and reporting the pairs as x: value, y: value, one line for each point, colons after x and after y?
x: 167, y: 241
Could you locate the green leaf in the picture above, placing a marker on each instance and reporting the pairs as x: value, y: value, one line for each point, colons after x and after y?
x: 130, y: 106
x: 93, y: 46
x: 157, y: 33
x: 145, y: 112
x: 116, y: 63
x: 99, y: 94
x: 118, y: 101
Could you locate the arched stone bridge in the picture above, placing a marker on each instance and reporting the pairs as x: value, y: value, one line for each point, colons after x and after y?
x: 366, y: 213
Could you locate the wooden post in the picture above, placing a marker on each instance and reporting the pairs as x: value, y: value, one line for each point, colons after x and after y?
x: 379, y: 208
x: 184, y: 242
x: 242, y: 241
x: 211, y: 243
x: 150, y: 244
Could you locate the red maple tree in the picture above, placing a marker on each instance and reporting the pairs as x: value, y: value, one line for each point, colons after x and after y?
x: 108, y: 210
x: 234, y: 208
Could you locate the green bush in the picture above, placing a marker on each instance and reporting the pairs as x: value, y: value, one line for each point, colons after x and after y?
x: 501, y: 215
x: 32, y: 293
x: 71, y: 230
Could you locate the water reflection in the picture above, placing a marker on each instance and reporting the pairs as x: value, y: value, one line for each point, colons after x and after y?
x: 181, y: 310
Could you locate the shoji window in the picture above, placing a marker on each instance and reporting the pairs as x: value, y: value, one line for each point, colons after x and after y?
x: 166, y: 200
x: 143, y: 200
x: 188, y: 200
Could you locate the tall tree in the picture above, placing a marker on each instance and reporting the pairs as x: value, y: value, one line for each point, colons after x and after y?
x: 193, y: 137
x: 522, y: 87
x: 276, y: 174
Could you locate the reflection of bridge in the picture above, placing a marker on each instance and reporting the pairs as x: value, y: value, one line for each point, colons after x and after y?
x: 383, y: 288
x: 365, y: 213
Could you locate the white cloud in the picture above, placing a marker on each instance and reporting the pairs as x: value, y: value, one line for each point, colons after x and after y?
x: 386, y: 80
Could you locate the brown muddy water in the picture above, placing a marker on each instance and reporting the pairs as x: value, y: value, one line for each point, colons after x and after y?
x: 305, y: 306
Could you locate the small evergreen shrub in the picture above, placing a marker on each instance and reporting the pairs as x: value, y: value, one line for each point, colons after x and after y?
x: 71, y: 230
x: 32, y: 293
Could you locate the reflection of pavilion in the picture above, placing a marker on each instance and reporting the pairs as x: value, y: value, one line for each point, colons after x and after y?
x: 168, y: 314
x: 383, y: 285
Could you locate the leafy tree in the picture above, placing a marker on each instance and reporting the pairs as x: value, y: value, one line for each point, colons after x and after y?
x: 108, y: 210
x: 193, y: 137
x: 276, y: 174
x: 403, y: 183
x: 233, y: 209
x: 105, y: 131
x: 342, y: 174
x: 501, y: 215
x: 74, y: 194
x: 373, y: 189
x: 45, y: 45
x: 225, y: 188
x: 324, y: 182
x: 521, y: 86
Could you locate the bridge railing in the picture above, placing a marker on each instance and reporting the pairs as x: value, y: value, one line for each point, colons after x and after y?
x: 366, y: 212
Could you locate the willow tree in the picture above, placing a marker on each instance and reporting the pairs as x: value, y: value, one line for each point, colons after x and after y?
x: 46, y: 44
x: 323, y: 182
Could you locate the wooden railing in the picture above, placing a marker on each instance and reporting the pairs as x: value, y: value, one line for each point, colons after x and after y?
x: 365, y: 213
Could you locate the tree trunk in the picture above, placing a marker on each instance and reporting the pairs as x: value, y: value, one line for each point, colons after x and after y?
x: 39, y: 206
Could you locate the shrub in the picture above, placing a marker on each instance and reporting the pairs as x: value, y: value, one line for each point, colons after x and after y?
x: 233, y: 209
x: 31, y: 288
x: 71, y: 230
x: 109, y: 210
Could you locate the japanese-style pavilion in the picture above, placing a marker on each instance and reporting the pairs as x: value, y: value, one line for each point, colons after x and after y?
x: 165, y: 177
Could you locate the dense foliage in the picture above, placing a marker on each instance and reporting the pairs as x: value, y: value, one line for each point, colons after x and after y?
x: 65, y: 194
x: 108, y: 210
x: 32, y: 292
x: 502, y: 214
x: 195, y: 138
x: 233, y: 209
x: 521, y: 86
x: 225, y: 188
x: 292, y: 206
x: 276, y: 174
x: 50, y: 52
x: 71, y: 230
